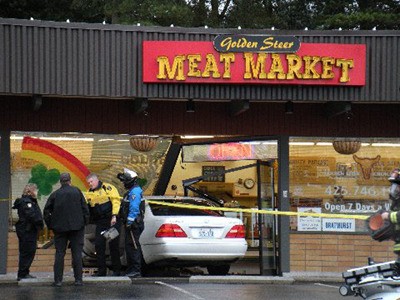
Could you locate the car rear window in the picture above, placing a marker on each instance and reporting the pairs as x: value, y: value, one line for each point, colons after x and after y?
x: 163, y: 210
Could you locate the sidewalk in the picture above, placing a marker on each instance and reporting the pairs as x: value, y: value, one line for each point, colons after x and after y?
x: 287, y: 278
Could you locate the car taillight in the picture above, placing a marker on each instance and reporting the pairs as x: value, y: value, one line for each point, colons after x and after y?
x: 170, y: 230
x: 237, y: 231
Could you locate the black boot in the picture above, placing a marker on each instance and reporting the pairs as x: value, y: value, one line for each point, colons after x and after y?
x: 396, y: 268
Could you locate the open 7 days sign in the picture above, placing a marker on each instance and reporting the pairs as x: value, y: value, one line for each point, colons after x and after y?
x: 257, y: 61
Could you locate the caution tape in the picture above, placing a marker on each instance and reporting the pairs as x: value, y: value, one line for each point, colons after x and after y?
x: 262, y: 211
x: 257, y: 211
x: 84, y: 194
x: 5, y: 199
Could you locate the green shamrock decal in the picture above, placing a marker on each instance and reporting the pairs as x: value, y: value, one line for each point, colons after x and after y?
x: 44, y: 179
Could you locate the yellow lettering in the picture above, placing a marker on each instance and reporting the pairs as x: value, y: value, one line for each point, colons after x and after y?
x: 345, y: 65
x: 194, y: 60
x: 227, y: 59
x: 327, y: 72
x: 268, y: 42
x: 255, y: 66
x: 309, y: 66
x: 287, y: 45
x: 255, y: 70
x: 211, y: 66
x: 276, y: 67
x: 177, y: 67
x: 294, y: 66
x: 226, y: 43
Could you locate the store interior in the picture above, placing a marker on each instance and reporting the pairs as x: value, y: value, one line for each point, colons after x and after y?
x: 328, y: 175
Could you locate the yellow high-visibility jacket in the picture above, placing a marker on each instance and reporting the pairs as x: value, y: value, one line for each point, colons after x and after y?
x: 107, y: 192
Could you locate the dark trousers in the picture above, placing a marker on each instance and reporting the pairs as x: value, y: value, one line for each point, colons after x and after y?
x: 101, y: 246
x: 27, y: 243
x: 76, y: 242
x: 396, y: 246
x: 133, y: 249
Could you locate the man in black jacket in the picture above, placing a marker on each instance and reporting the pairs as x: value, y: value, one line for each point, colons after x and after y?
x: 66, y: 213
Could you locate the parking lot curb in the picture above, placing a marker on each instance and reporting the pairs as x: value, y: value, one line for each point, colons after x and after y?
x: 8, y: 281
x: 287, y: 278
x: 316, y: 277
x: 70, y: 280
x: 242, y: 279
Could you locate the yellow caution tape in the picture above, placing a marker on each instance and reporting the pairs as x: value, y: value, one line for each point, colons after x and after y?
x: 261, y: 211
x: 257, y: 211
x: 5, y: 199
x: 105, y: 197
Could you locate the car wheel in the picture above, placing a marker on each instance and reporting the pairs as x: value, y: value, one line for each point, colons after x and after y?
x: 218, y: 270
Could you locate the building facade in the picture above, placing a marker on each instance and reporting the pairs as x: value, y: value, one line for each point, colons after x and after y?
x: 108, y: 80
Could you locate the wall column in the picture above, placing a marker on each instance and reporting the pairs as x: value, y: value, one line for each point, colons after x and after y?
x: 5, y: 188
x: 284, y: 205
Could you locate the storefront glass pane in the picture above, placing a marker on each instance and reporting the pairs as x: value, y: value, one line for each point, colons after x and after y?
x: 41, y: 157
x: 333, y: 180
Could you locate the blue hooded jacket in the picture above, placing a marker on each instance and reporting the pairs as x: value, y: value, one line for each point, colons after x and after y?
x: 135, y: 198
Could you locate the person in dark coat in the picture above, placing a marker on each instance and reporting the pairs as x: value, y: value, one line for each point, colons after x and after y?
x: 29, y: 223
x: 66, y: 213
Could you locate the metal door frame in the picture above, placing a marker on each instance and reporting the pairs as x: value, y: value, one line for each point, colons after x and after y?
x: 264, y: 261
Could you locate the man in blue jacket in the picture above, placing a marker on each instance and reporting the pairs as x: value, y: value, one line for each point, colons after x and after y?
x: 132, y: 213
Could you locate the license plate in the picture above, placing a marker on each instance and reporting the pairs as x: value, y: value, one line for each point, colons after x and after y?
x: 206, y: 233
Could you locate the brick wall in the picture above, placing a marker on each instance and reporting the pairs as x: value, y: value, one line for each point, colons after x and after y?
x: 43, y: 261
x: 308, y: 252
x: 335, y: 253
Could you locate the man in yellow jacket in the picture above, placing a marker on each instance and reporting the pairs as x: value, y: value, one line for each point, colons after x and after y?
x: 104, y: 202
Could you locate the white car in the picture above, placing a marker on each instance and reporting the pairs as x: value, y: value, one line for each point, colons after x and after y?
x: 175, y: 236
x: 185, y: 237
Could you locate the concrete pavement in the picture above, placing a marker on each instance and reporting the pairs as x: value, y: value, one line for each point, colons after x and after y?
x: 287, y: 278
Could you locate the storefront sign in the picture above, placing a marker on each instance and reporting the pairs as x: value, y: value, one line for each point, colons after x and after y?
x: 361, y: 206
x: 199, y: 62
x: 228, y: 151
x: 338, y: 225
x: 256, y: 43
x: 309, y: 223
x: 312, y: 169
x: 207, y: 170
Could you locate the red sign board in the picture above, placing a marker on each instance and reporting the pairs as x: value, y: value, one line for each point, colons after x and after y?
x: 230, y: 151
x: 200, y: 63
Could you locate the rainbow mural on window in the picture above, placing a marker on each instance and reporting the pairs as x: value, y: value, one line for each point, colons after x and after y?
x: 56, y: 157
